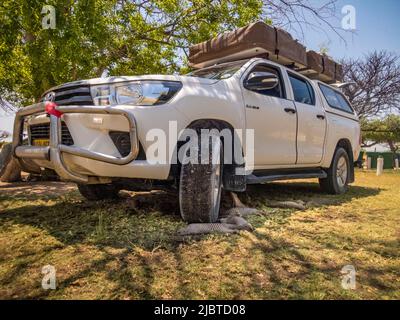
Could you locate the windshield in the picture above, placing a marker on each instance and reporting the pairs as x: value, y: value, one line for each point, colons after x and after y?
x: 218, y: 72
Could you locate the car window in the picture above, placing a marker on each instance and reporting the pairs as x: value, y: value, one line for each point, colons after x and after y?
x: 343, y: 103
x: 279, y: 90
x: 219, y: 72
x: 335, y: 99
x: 302, y: 90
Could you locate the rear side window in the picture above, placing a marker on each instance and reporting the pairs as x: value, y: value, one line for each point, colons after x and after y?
x: 335, y: 99
x: 302, y: 90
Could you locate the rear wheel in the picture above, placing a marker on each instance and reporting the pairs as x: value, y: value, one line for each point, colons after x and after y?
x: 200, y: 185
x: 98, y: 191
x: 338, y: 174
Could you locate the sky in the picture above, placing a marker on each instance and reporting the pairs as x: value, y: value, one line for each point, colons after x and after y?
x: 6, y: 122
x: 377, y: 28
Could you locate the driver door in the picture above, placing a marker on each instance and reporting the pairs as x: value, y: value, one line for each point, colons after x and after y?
x: 274, y: 120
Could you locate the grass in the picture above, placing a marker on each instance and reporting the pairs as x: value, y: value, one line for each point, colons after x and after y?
x: 129, y: 250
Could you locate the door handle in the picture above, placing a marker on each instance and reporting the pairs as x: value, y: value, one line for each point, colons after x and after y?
x: 290, y: 110
x: 320, y: 116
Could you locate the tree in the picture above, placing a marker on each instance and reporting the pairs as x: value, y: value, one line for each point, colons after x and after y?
x: 385, y: 130
x: 377, y: 83
x: 120, y: 36
x: 3, y: 136
x: 10, y: 170
x: 6, y: 106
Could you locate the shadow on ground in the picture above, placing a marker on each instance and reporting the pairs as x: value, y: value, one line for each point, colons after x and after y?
x: 147, y: 221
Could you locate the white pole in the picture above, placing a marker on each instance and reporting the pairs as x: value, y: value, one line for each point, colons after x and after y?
x: 396, y: 164
x: 368, y: 163
x: 379, y: 166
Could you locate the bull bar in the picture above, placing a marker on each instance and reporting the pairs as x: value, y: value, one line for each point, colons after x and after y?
x: 54, y: 152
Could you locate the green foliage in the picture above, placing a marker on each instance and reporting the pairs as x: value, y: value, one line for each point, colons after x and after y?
x: 91, y: 36
x: 385, y: 130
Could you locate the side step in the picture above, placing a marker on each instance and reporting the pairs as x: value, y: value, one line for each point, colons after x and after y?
x: 254, y: 179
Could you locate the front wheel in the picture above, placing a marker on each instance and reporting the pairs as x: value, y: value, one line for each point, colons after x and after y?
x: 338, y: 173
x: 200, y: 185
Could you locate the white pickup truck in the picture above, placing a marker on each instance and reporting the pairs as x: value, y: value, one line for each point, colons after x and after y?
x: 102, y: 133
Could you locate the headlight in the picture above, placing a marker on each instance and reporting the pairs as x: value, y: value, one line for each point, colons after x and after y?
x: 138, y: 93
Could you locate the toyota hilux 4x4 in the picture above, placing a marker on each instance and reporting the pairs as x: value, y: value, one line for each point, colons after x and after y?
x: 100, y: 133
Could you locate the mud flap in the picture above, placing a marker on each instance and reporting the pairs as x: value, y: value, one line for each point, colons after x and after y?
x: 351, y: 173
x: 231, y: 181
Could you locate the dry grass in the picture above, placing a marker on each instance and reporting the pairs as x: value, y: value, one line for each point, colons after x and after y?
x: 128, y: 249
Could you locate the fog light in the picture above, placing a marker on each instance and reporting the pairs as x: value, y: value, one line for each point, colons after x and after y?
x: 122, y: 141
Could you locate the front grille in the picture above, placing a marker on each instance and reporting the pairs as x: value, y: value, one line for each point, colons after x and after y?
x: 72, y: 95
x: 39, y: 131
x: 77, y: 95
x: 66, y: 137
x: 42, y: 131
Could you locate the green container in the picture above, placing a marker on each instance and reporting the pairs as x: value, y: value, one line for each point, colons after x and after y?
x: 388, y: 159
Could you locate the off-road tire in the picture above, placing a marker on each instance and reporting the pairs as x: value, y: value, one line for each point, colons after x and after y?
x: 200, y: 186
x: 331, y: 183
x: 98, y: 191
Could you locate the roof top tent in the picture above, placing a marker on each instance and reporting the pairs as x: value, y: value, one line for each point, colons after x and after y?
x: 261, y: 40
x: 322, y: 67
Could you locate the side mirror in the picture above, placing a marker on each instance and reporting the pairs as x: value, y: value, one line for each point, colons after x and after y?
x: 261, y: 81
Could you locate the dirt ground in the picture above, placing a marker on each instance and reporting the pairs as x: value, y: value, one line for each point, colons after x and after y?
x: 128, y: 249
x: 41, y: 188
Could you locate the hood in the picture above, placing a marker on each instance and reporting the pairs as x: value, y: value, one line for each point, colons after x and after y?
x: 118, y: 79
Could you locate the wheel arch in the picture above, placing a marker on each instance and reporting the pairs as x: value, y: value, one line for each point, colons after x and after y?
x: 346, y: 145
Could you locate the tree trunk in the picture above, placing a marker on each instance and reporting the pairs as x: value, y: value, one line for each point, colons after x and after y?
x: 392, y: 146
x: 9, y: 167
x: 394, y: 149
